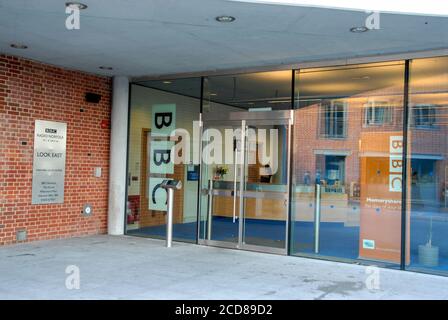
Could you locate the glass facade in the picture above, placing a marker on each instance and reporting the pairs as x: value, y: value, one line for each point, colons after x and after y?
x: 428, y: 166
x: 246, y: 207
x: 347, y: 121
x: 340, y: 188
x: 157, y: 110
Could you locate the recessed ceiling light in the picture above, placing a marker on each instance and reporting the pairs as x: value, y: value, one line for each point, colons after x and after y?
x: 18, y: 46
x: 213, y: 94
x: 106, y: 68
x: 76, y: 5
x: 225, y: 19
x: 359, y: 29
x: 167, y: 82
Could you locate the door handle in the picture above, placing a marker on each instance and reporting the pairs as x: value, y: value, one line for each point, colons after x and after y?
x: 210, y: 209
x: 234, y: 192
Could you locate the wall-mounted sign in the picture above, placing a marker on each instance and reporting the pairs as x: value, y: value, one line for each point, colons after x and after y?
x: 368, y: 244
x: 381, y: 170
x: 157, y: 195
x: 395, y: 163
x: 49, y: 162
x: 192, y: 172
x: 163, y: 119
x: 160, y: 157
x: 163, y: 124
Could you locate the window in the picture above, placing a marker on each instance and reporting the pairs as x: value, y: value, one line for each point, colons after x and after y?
x: 330, y: 171
x: 149, y: 159
x: 333, y: 119
x: 343, y: 203
x: 377, y: 114
x: 424, y: 115
x: 427, y: 205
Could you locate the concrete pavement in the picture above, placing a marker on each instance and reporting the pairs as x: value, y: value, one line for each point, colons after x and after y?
x: 121, y: 267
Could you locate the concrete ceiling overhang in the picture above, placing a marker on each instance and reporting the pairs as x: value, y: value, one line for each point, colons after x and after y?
x: 157, y: 37
x: 427, y: 7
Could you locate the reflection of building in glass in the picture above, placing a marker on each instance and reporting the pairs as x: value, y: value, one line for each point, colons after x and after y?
x: 344, y: 125
x: 347, y: 139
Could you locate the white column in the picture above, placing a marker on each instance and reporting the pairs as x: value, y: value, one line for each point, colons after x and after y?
x: 118, y: 154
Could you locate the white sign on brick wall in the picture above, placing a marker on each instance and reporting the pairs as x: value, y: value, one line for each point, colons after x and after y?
x: 49, y: 162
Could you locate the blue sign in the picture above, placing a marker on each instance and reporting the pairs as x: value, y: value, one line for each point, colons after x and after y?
x: 193, y: 173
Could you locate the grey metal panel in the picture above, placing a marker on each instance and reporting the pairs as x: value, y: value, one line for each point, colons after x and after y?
x: 266, y: 195
x: 221, y: 244
x: 234, y: 118
x: 251, y: 194
x: 260, y: 115
x: 243, y: 162
x: 231, y: 245
x: 251, y: 247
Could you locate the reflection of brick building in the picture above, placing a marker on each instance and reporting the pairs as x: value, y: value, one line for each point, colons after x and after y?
x: 318, y: 148
x: 429, y: 147
x: 315, y: 148
x: 345, y: 143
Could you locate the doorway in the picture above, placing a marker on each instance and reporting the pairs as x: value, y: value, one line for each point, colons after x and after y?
x: 244, y: 196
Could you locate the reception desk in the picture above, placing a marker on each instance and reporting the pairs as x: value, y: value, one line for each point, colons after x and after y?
x: 263, y: 200
x: 269, y: 202
x: 334, y: 206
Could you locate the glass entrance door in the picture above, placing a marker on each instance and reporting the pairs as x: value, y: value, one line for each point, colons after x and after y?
x: 220, y: 183
x: 244, y: 181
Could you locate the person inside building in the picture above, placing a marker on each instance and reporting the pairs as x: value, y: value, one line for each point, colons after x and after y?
x: 265, y: 174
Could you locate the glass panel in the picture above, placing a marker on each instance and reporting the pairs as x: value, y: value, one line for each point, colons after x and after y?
x: 249, y: 92
x: 219, y: 182
x: 266, y: 185
x: 232, y: 97
x: 157, y: 108
x: 347, y: 138
x: 428, y: 164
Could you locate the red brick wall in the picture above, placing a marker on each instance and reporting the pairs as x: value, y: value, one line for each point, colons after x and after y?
x: 30, y: 91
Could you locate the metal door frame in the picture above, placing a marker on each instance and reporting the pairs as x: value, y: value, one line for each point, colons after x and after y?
x: 241, y: 120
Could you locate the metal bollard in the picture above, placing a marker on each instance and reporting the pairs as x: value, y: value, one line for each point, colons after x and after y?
x: 317, y: 219
x: 169, y: 218
x: 170, y: 186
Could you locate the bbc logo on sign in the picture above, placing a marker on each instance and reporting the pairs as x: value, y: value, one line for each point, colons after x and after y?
x: 48, y: 130
x: 396, y: 164
x: 163, y: 126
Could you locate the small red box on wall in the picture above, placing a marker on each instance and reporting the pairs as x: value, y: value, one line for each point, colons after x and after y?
x: 105, y: 124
